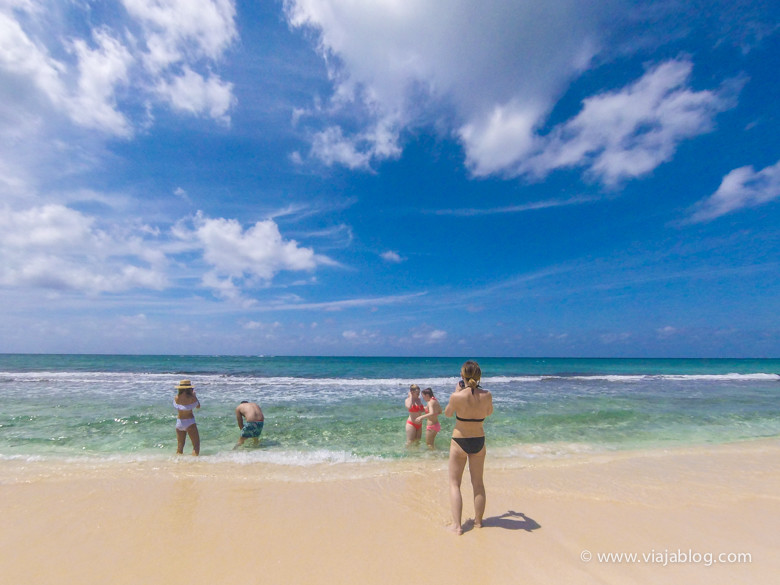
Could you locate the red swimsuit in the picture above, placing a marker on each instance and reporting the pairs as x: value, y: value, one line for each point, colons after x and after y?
x: 416, y: 408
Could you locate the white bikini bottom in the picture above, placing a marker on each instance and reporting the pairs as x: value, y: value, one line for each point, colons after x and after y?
x: 182, y: 424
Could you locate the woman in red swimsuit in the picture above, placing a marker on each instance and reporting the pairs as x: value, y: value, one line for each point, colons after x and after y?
x: 471, y: 405
x: 416, y: 409
x: 431, y: 417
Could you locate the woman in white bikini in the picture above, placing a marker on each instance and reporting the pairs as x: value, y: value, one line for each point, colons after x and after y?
x: 185, y: 402
x: 471, y: 405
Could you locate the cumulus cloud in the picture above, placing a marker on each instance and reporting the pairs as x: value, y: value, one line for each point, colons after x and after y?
x: 54, y: 247
x: 97, y: 74
x: 496, y: 69
x: 178, y: 34
x: 100, y: 71
x: 480, y: 59
x: 84, y: 89
x: 191, y: 92
x: 742, y: 187
x: 245, y: 256
x: 177, y: 30
x: 357, y: 151
x: 628, y: 133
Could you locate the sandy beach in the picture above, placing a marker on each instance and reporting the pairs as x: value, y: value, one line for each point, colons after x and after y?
x: 691, y: 515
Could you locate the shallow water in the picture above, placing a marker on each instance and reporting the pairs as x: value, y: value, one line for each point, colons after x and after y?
x: 336, y: 410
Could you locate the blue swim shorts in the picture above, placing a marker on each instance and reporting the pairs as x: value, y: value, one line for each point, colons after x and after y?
x: 252, y: 430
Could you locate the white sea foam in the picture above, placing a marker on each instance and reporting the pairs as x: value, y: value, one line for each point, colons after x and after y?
x: 289, y: 458
x: 164, y: 380
x: 732, y: 376
x: 553, y: 450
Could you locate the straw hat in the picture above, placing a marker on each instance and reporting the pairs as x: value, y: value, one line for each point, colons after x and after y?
x: 185, y: 385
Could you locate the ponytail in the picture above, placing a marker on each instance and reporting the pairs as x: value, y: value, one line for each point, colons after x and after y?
x: 471, y: 374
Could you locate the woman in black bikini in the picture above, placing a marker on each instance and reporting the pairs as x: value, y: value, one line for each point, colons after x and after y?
x: 471, y: 405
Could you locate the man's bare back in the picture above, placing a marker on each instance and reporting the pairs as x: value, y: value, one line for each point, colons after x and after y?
x: 253, y: 426
x: 250, y: 411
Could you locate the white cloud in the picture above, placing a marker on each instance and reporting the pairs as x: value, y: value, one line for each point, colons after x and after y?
x: 101, y: 65
x: 179, y: 192
x: 363, y: 336
x: 245, y: 256
x: 96, y: 74
x: 101, y: 70
x: 19, y: 55
x: 500, y: 139
x: 391, y: 256
x: 191, y: 92
x: 180, y: 34
x: 430, y: 336
x: 532, y: 206
x: 494, y: 61
x: 496, y: 70
x: 356, y: 152
x: 628, y: 133
x: 437, y: 335
x: 742, y: 187
x: 259, y: 325
x: 496, y: 65
x: 370, y: 302
x: 180, y: 30
x: 226, y: 289
x: 330, y: 146
x: 58, y: 248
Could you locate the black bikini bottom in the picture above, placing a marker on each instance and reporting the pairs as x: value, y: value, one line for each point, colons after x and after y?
x: 470, y: 445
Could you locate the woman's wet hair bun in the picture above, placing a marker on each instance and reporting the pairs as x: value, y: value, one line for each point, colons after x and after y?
x: 471, y: 373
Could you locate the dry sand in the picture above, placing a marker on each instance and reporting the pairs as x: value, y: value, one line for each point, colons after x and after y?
x: 195, y: 522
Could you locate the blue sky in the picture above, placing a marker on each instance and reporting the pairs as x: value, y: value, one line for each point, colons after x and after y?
x: 342, y: 177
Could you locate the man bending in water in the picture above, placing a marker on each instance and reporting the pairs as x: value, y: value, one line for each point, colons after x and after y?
x: 253, y: 426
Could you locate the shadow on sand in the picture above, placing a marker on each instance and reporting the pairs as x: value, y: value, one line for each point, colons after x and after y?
x: 510, y: 520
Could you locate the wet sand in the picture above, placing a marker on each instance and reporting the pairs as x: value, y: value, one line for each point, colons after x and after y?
x: 547, y: 521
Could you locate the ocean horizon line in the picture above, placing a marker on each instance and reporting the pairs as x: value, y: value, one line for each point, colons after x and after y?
x: 400, y: 356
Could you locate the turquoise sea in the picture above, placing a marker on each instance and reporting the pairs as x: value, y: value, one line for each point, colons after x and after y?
x: 338, y: 409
